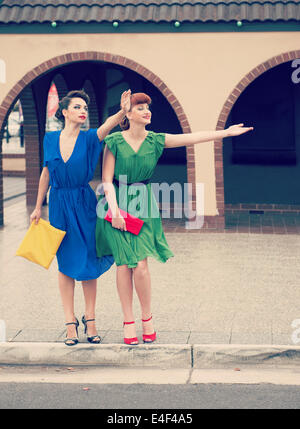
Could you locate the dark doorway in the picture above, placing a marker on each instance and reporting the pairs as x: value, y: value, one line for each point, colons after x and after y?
x: 263, y: 167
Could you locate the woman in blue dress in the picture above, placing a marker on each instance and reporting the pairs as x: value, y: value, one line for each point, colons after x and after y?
x: 70, y: 159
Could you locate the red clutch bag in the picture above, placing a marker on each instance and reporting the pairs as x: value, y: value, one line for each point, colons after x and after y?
x: 133, y: 224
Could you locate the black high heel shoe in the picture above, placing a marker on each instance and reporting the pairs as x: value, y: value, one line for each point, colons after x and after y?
x: 94, y: 339
x: 74, y: 340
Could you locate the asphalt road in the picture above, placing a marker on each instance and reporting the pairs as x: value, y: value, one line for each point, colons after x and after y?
x: 34, y: 387
x: 144, y: 396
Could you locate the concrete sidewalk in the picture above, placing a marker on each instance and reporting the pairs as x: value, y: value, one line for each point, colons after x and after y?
x: 162, y: 356
x: 222, y: 298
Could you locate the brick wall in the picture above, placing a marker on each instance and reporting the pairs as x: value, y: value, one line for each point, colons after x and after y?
x: 1, y: 184
x: 33, y: 114
x: 32, y: 145
x: 223, y: 117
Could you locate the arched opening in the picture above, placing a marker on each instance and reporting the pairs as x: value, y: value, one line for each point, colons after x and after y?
x: 104, y: 76
x: 258, y: 178
x: 13, y: 156
x: 263, y: 166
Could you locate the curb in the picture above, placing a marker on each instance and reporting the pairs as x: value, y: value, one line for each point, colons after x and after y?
x: 162, y: 356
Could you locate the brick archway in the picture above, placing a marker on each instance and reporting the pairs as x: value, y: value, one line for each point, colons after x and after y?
x: 226, y: 109
x: 61, y: 60
x: 93, y: 56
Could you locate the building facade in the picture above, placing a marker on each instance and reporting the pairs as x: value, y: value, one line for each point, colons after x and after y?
x: 206, y: 66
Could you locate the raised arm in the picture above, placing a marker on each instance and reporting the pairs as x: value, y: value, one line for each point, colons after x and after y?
x: 114, y: 120
x: 177, y: 140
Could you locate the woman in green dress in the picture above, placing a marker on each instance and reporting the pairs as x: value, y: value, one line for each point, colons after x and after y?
x: 130, y: 157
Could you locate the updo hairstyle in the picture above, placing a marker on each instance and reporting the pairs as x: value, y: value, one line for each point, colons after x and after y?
x: 136, y: 98
x: 65, y: 102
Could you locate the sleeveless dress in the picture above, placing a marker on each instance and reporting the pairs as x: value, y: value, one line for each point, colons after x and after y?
x: 72, y: 204
x: 137, y: 199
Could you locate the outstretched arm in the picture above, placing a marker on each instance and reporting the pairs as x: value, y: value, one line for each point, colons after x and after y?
x: 114, y: 120
x: 177, y: 140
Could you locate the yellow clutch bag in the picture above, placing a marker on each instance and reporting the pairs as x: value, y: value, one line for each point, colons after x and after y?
x: 41, y: 243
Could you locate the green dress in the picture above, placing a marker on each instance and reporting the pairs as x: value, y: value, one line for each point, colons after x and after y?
x: 136, y: 199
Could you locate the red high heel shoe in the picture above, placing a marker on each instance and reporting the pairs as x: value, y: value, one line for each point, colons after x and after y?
x: 149, y: 338
x: 130, y: 341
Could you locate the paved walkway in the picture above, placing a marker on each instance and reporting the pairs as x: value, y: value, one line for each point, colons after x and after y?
x: 13, y: 187
x: 218, y: 289
x: 235, y: 221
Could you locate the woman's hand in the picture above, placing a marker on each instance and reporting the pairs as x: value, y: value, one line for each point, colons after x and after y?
x: 36, y: 215
x: 119, y: 223
x: 114, y: 120
x: 178, y: 140
x: 125, y: 101
x: 42, y: 191
x: 236, y: 130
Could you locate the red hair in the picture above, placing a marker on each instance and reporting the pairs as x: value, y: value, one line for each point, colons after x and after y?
x: 140, y: 98
x: 136, y: 98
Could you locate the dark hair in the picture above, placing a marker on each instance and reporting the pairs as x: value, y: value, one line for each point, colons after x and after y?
x: 65, y: 102
x: 136, y: 98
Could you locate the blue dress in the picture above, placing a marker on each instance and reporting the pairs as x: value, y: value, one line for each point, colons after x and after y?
x: 72, y: 204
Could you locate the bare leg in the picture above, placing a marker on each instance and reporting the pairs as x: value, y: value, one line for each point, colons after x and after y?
x: 66, y: 287
x: 89, y: 288
x: 125, y: 291
x: 142, y: 282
